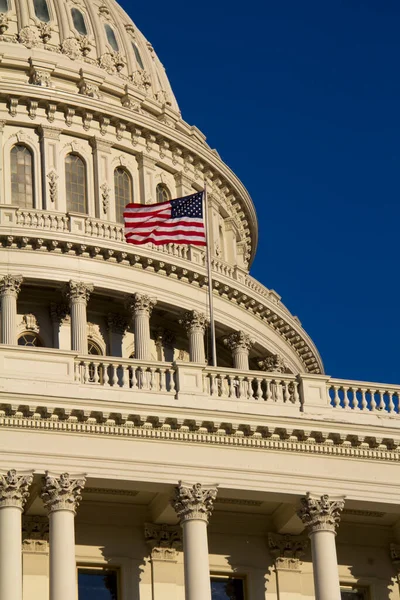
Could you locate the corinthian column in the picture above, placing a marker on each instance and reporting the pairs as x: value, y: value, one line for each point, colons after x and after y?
x: 14, y: 491
x: 78, y: 295
x: 141, y: 307
x: 10, y: 287
x: 239, y: 343
x: 321, y: 516
x: 194, y: 504
x: 195, y: 323
x: 61, y: 496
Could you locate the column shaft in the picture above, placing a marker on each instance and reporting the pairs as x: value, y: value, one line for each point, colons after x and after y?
x: 325, y: 566
x: 10, y: 553
x: 196, y: 561
x: 142, y: 335
x: 240, y: 359
x: 239, y: 343
x: 196, y: 346
x: 79, y: 341
x: 9, y: 319
x: 62, y: 555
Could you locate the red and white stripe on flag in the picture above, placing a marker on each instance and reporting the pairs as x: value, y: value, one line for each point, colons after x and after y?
x: 175, y: 222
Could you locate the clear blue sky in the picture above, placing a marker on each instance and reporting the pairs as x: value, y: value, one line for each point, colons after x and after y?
x: 302, y: 100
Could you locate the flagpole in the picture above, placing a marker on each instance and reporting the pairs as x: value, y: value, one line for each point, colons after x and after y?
x: 210, y: 286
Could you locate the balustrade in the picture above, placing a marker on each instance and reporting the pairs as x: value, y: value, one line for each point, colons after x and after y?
x: 360, y: 396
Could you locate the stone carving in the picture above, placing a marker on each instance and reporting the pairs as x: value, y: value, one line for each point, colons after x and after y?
x: 4, y: 23
x: 128, y: 101
x: 194, y: 502
x: 29, y: 36
x: 141, y: 79
x: 10, y: 285
x: 194, y: 320
x: 117, y: 323
x: 59, y: 312
x: 63, y: 492
x: 40, y: 78
x: 86, y: 88
x: 72, y: 48
x: 141, y: 303
x: 69, y: 115
x: 239, y: 340
x: 12, y: 106
x: 53, y: 186
x: 77, y: 291
x: 287, y: 550
x: 106, y: 61
x: 164, y: 540
x: 14, y: 488
x: 105, y: 196
x: 162, y: 97
x: 29, y: 323
x: 35, y: 534
x: 272, y: 364
x: 85, y: 45
x: 320, y: 513
x: 45, y: 32
x: 32, y: 109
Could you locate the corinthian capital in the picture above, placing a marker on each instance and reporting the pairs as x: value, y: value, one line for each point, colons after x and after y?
x: 194, y: 320
x: 63, y: 492
x: 272, y: 364
x: 14, y: 488
x: 194, y: 501
x: 239, y: 340
x: 10, y: 285
x: 320, y: 512
x: 140, y: 303
x: 77, y: 291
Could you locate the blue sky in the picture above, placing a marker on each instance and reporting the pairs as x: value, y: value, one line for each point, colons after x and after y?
x: 301, y: 100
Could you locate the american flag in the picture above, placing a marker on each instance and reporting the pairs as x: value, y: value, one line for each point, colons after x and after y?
x: 177, y: 221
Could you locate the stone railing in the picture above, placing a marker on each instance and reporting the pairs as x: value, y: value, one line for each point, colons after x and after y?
x: 364, y: 396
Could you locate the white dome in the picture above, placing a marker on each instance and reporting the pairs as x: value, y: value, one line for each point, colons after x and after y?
x: 86, y: 35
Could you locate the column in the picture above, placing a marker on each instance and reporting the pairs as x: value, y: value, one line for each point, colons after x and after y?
x: 287, y: 551
x: 141, y: 307
x: 10, y: 287
x: 195, y: 323
x: 239, y: 343
x: 78, y: 295
x: 194, y: 504
x: 14, y: 491
x: 61, y: 496
x: 104, y: 193
x: 321, y: 516
x: 164, y: 541
x: 50, y: 144
x: 147, y: 171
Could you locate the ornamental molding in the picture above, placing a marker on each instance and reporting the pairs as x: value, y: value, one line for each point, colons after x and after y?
x: 63, y: 492
x: 194, y: 321
x: 272, y: 364
x: 320, y: 513
x: 216, y: 433
x: 77, y: 291
x: 14, y: 488
x: 10, y: 285
x: 287, y: 550
x: 140, y: 304
x: 35, y: 534
x: 53, y: 186
x: 239, y: 341
x: 165, y: 541
x: 194, y: 502
x: 29, y: 323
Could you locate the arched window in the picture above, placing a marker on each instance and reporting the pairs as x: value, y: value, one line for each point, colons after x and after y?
x: 137, y: 55
x: 30, y: 339
x: 93, y: 348
x: 79, y: 21
x: 4, y: 6
x: 112, y: 40
x: 41, y: 10
x: 123, y: 192
x: 21, y: 176
x: 75, y: 184
x: 162, y: 193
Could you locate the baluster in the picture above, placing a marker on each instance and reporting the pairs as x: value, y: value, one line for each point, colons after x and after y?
x: 346, y: 401
x: 232, y: 387
x: 354, y: 402
x: 77, y: 369
x: 104, y: 367
x: 258, y: 388
x: 381, y: 404
x: 242, y: 392
x: 162, y: 379
x: 172, y: 386
x: 86, y: 373
x: 114, y: 374
x: 277, y: 391
x: 134, y: 381
x: 390, y: 403
x: 268, y: 393
x: 373, y: 402
x: 152, y: 378
x: 286, y: 394
x: 95, y: 372
x: 139, y: 378
x: 213, y: 387
x: 125, y: 376
x: 363, y: 399
x: 296, y: 397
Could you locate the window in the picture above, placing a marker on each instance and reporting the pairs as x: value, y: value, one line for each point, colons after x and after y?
x: 4, y: 6
x: 137, y: 56
x: 75, y: 181
x: 353, y: 592
x: 123, y: 192
x: 227, y: 588
x: 22, y: 176
x: 79, y: 21
x: 41, y: 10
x: 93, y: 348
x: 112, y: 40
x: 162, y: 193
x: 30, y: 339
x: 96, y: 583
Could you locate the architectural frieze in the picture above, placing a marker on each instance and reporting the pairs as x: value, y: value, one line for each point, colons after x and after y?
x: 267, y: 307
x: 216, y: 433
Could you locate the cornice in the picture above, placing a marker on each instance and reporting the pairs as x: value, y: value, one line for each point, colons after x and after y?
x: 205, y: 433
x: 266, y: 307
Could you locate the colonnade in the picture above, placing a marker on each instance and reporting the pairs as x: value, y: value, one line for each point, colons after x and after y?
x: 193, y: 504
x: 140, y: 306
